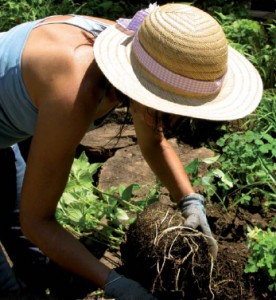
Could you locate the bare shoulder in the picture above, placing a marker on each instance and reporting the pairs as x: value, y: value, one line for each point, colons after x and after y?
x: 55, y: 57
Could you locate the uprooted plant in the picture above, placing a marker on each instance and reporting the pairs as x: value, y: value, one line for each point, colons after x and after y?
x: 166, y: 257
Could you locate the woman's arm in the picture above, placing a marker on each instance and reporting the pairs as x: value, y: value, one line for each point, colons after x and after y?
x: 67, y: 104
x: 167, y: 166
x: 160, y: 155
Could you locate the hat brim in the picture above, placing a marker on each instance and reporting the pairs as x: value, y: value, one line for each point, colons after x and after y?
x: 239, y: 96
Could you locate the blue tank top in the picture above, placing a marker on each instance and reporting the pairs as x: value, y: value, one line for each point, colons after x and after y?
x: 18, y: 116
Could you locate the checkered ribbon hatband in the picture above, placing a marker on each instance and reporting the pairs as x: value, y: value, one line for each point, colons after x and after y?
x: 173, y: 79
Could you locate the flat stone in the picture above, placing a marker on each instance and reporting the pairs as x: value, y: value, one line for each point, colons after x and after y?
x: 128, y: 166
x: 106, y: 137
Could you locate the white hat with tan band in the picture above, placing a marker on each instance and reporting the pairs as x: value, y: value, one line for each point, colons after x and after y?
x: 175, y: 58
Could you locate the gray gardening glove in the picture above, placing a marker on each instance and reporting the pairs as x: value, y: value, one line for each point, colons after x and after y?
x: 193, y: 210
x: 122, y: 288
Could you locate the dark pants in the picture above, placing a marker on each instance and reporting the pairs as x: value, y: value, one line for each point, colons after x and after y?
x: 28, y: 261
x: 30, y: 265
x: 8, y: 208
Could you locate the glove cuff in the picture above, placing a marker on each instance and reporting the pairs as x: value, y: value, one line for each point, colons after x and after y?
x: 112, y: 277
x: 184, y: 201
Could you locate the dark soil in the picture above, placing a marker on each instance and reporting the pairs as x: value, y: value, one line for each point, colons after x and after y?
x: 227, y: 280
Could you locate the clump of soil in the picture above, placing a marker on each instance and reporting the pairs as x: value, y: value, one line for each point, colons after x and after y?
x: 169, y: 259
x: 173, y: 262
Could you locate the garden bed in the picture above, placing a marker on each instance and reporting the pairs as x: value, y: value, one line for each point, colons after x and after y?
x: 226, y: 280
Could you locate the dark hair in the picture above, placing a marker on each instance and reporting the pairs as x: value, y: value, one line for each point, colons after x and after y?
x: 191, y: 131
x: 171, y: 124
x: 123, y: 99
x: 184, y: 129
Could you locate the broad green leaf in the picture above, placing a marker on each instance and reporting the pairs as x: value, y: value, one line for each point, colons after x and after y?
x: 206, y: 180
x: 112, y: 200
x: 250, y: 136
x: 74, y: 214
x: 126, y: 193
x: 121, y: 214
x: 192, y: 168
x: 68, y: 198
x: 265, y: 148
x: 251, y: 269
x: 250, y: 178
x: 259, y: 142
x: 151, y: 192
x: 210, y: 160
x: 224, y: 178
x: 131, y: 220
x: 272, y: 272
x: 121, y: 189
x: 269, y: 138
x: 93, y: 169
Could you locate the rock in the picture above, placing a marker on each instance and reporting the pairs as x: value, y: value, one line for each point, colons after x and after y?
x: 123, y: 161
x: 101, y: 143
x: 106, y: 137
x: 128, y: 166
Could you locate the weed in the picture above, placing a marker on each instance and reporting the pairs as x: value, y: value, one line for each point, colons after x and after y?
x: 262, y: 246
x: 101, y: 216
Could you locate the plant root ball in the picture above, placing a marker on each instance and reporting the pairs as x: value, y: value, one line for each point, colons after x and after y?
x: 169, y: 259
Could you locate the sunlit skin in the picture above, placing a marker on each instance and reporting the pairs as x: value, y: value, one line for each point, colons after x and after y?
x: 65, y: 84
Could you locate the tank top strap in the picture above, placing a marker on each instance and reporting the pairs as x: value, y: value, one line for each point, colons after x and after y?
x: 93, y: 26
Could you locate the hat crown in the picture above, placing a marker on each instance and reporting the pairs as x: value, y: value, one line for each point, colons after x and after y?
x: 186, y: 41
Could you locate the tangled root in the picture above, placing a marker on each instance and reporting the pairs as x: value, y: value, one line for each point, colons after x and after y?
x: 166, y: 257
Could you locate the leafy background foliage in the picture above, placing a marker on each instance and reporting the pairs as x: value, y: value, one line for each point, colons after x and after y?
x: 15, y: 12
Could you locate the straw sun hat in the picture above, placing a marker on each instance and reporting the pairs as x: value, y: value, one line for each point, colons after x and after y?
x: 175, y: 58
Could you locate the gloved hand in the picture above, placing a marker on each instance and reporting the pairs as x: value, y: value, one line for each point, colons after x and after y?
x: 193, y: 210
x: 122, y: 288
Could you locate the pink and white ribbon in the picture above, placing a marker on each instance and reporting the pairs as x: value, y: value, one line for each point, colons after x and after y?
x: 171, y: 78
x: 152, y: 66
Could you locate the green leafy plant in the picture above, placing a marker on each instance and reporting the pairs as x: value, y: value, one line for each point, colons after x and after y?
x: 99, y: 216
x: 15, y: 12
x: 244, y: 169
x: 255, y: 40
x: 248, y: 159
x: 262, y: 247
x: 264, y: 118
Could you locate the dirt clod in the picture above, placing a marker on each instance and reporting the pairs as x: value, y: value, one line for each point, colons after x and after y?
x: 173, y: 261
x: 166, y: 257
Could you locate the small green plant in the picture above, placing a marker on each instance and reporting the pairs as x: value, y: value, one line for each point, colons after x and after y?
x: 213, y: 181
x: 254, y: 39
x: 262, y: 247
x: 99, y: 216
x: 248, y: 159
x: 244, y: 170
x: 264, y: 118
